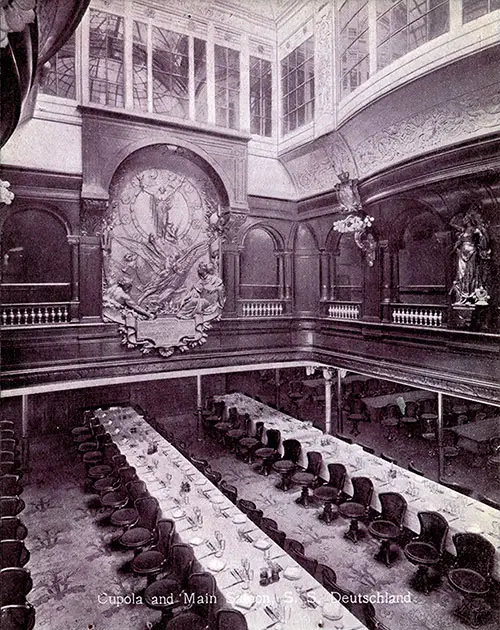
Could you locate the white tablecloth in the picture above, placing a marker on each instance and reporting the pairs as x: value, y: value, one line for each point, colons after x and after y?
x: 164, y: 471
x: 462, y: 513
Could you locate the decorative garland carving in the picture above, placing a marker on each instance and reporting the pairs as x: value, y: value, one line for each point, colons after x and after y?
x: 92, y: 216
x: 448, y: 122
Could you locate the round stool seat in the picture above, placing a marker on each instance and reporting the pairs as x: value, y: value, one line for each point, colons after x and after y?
x: 99, y: 471
x: 468, y: 581
x: 450, y: 451
x: 303, y: 478
x: 159, y: 594
x: 236, y: 434
x: 85, y: 447
x: 135, y: 537
x: 383, y: 529
x: 390, y: 422
x: 188, y: 621
x: 265, y: 452
x: 106, y: 484
x: 419, y: 552
x: 115, y: 499
x: 81, y: 434
x: 408, y: 420
x: 148, y: 562
x: 223, y: 426
x: 326, y: 493
x: 92, y: 457
x: 284, y: 465
x: 352, y: 510
x: 248, y: 442
x: 124, y: 517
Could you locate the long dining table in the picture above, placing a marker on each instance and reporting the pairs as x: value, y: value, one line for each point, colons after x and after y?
x: 462, y: 513
x: 224, y: 541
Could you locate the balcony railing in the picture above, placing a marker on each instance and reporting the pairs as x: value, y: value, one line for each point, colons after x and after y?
x: 427, y: 315
x: 343, y: 310
x: 262, y: 308
x: 35, y: 314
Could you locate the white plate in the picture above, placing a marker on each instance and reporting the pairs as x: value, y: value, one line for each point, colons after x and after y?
x: 239, y: 519
x: 245, y: 601
x: 178, y: 513
x: 217, y: 498
x: 332, y: 611
x: 196, y: 541
x: 200, y: 482
x: 292, y: 573
x: 216, y: 564
x: 262, y: 544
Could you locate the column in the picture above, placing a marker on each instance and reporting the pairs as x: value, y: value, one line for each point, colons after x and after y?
x: 287, y: 256
x: 327, y: 375
x: 74, y: 243
x: 281, y: 275
x: 440, y: 435
x: 278, y: 387
x: 385, y: 280
x: 372, y: 36
x: 325, y: 280
x: 91, y: 219
x: 210, y: 75
x: 128, y: 61
x: 25, y: 450
x: 199, y: 403
x: 340, y: 420
x: 230, y: 276
x: 191, y: 88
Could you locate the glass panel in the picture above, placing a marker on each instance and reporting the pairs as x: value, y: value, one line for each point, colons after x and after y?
x: 299, y: 87
x: 106, y: 51
x: 227, y: 85
x: 140, y: 66
x: 260, y: 96
x: 200, y: 79
x: 170, y: 73
x: 472, y: 9
x: 353, y: 38
x: 60, y: 79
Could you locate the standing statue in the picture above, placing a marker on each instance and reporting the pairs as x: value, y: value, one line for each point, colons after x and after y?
x: 472, y: 255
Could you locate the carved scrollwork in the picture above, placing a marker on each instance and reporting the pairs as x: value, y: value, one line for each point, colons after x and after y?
x: 92, y: 216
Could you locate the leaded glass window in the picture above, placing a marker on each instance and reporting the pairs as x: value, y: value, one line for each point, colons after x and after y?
x: 260, y: 96
x: 227, y: 87
x: 297, y: 86
x: 170, y: 73
x: 140, y: 66
x: 106, y: 52
x: 353, y: 41
x: 60, y: 78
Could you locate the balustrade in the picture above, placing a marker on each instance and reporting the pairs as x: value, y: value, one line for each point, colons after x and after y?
x: 262, y: 308
x: 35, y: 314
x: 418, y: 315
x: 343, y: 310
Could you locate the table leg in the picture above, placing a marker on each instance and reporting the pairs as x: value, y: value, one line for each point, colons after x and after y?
x: 384, y: 553
x: 353, y: 532
x: 304, y: 497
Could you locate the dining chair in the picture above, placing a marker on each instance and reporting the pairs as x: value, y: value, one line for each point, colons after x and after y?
x: 11, y: 506
x: 12, y: 528
x: 15, y: 584
x: 143, y: 532
x: 13, y: 553
x: 288, y: 464
x: 17, y: 617
x: 426, y: 551
x: 229, y: 491
x: 389, y: 525
x: 250, y: 509
x: 230, y: 619
x: 151, y: 562
x: 200, y: 614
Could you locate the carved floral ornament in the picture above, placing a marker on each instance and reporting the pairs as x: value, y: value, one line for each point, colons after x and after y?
x: 14, y: 15
x: 356, y: 222
x: 6, y: 195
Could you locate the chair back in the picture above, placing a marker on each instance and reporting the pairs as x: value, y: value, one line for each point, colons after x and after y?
x: 10, y: 486
x: 415, y: 470
x: 387, y: 458
x: 110, y: 451
x: 200, y: 464
x: 411, y: 410
x: 119, y: 461
x: 17, y: 617
x: 273, y: 438
x: 11, y: 506
x: 246, y: 422
x: 344, y: 438
x: 394, y: 507
x: 231, y: 492
x: 367, y: 449
x: 12, y: 528
x: 6, y: 424
x: 219, y: 408
x: 294, y: 547
x: 13, y: 553
x: 259, y: 431
x: 363, y: 490
x: 474, y: 552
x: 8, y: 434
x: 392, y: 411
x: 250, y: 509
x: 229, y: 619
x: 127, y: 474
x: 213, y: 475
x: 433, y: 530
x: 356, y: 405
x: 181, y: 561
x: 292, y: 449
x: 371, y: 387
x: 8, y: 444
x: 270, y: 527
x: 166, y: 531
x: 342, y: 595
x: 336, y: 476
x: 202, y: 586
x: 371, y: 620
x: 314, y: 463
x: 327, y: 575
x: 136, y: 490
x: 8, y: 467
x: 296, y: 551
x: 149, y: 512
x: 15, y: 584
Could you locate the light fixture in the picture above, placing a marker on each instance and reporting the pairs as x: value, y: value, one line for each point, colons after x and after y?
x: 357, y: 222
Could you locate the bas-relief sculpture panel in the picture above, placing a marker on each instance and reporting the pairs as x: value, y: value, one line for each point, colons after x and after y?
x: 450, y: 122
x: 316, y: 171
x: 161, y: 241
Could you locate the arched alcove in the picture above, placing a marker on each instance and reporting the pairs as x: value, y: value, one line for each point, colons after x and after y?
x: 347, y: 273
x: 306, y: 270
x: 423, y: 261
x: 36, y: 258
x: 259, y: 266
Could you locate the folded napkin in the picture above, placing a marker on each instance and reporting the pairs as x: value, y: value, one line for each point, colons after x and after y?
x: 245, y: 601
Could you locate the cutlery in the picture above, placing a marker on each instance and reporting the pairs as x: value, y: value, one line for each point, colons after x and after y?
x: 207, y: 555
x: 210, y: 545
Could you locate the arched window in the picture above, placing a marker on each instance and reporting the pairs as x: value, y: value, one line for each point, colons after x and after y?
x: 422, y: 262
x: 36, y: 259
x: 348, y: 270
x: 259, y: 274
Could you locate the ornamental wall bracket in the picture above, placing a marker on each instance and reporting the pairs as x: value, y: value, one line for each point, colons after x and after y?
x: 6, y: 195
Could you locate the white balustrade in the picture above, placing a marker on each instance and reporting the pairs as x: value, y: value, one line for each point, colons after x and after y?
x: 260, y: 308
x: 343, y: 311
x: 34, y: 314
x: 418, y: 316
